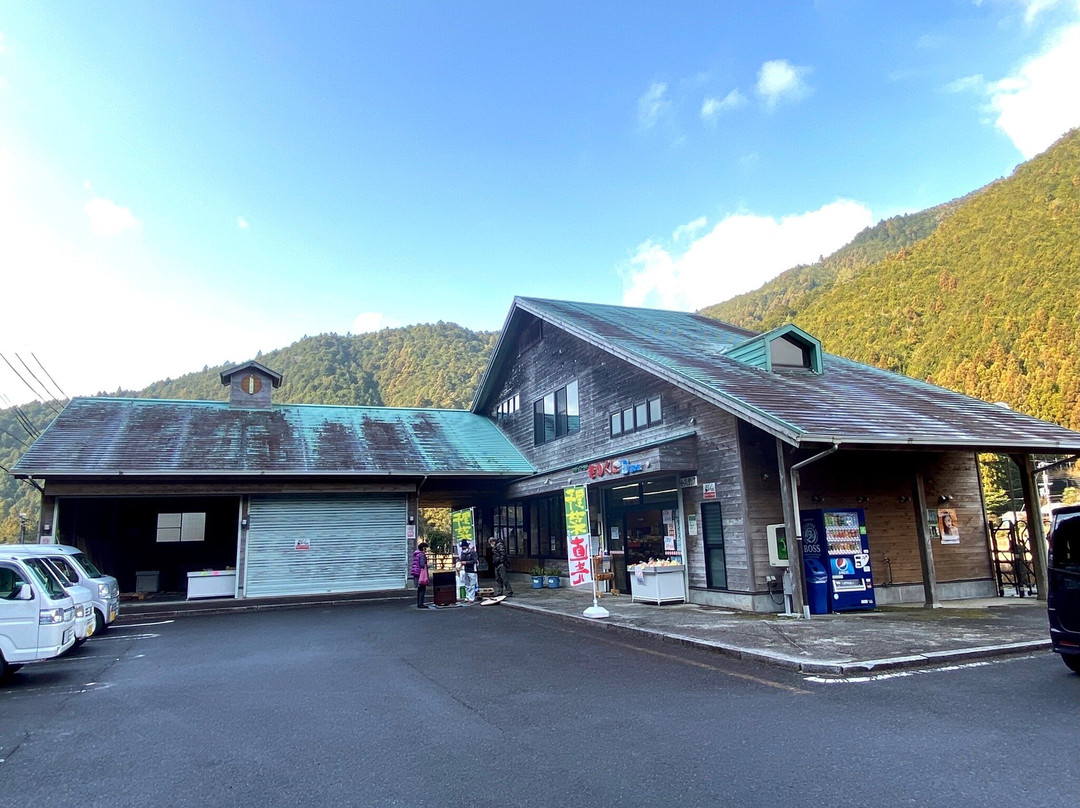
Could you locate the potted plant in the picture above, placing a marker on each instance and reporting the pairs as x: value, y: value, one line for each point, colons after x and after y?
x: 553, y: 580
x: 537, y: 574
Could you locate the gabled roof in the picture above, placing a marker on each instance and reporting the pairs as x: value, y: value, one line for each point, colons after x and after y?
x: 228, y: 373
x: 757, y: 351
x: 138, y: 436
x: 847, y: 402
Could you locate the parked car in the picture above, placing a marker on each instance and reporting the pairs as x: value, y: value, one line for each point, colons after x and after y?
x: 1063, y: 597
x: 78, y: 569
x: 37, y: 615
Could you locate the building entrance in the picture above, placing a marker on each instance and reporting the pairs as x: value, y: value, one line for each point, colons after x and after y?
x: 640, y: 519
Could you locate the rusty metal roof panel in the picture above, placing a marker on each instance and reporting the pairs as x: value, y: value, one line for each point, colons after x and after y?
x: 848, y: 402
x: 94, y: 436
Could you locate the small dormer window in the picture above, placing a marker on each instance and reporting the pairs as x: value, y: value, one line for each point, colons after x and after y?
x: 787, y: 353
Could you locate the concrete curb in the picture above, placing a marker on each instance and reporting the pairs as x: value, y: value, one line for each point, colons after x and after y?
x: 819, y: 667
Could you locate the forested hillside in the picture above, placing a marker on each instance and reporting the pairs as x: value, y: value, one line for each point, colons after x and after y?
x: 781, y: 299
x: 987, y: 303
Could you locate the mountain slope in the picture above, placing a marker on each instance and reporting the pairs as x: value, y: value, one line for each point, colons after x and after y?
x: 987, y: 303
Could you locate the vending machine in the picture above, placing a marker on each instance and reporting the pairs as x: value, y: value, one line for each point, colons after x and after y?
x: 837, y: 538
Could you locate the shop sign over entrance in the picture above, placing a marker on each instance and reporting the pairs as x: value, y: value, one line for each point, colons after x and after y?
x: 610, y: 468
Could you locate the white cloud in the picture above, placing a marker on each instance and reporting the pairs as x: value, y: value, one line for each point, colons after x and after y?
x: 371, y: 321
x: 779, y: 81
x: 966, y: 84
x: 242, y: 223
x: 109, y: 219
x: 688, y: 229
x: 652, y: 104
x: 739, y: 254
x: 711, y: 108
x: 1041, y: 100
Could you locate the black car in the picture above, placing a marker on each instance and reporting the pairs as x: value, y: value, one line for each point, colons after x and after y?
x: 1063, y: 599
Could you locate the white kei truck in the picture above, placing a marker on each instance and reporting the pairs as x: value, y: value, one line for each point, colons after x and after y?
x: 78, y: 569
x: 37, y: 615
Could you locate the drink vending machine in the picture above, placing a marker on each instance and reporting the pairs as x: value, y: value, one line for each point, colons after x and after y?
x: 837, y: 538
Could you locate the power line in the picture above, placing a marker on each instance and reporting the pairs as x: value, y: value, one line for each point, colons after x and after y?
x: 15, y: 437
x: 21, y: 417
x: 24, y: 381
x: 48, y: 395
x: 63, y: 395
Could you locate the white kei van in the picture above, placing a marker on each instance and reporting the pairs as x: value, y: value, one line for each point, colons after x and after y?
x: 78, y: 569
x: 85, y: 622
x: 37, y: 615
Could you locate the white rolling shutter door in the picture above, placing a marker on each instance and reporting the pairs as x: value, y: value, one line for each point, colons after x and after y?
x: 354, y: 544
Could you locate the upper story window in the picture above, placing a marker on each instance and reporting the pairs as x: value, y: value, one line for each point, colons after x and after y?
x: 643, y: 414
x: 508, y: 407
x: 556, y: 414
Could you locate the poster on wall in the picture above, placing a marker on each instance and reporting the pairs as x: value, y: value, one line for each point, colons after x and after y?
x: 691, y: 524
x: 708, y: 491
x: 946, y: 523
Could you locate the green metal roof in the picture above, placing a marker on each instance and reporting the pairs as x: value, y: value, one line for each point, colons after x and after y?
x: 847, y: 402
x: 102, y: 436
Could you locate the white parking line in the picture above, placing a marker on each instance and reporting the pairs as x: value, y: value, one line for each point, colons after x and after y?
x: 111, y: 637
x: 140, y: 625
x: 879, y: 677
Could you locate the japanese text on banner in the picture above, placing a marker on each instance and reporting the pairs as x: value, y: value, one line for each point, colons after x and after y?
x: 577, y: 534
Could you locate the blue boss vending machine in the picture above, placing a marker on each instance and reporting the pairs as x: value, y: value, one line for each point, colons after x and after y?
x: 837, y: 538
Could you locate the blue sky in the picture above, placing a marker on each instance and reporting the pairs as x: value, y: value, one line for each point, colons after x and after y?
x: 188, y: 184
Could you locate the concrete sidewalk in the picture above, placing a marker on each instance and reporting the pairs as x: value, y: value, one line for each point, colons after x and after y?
x: 893, y: 637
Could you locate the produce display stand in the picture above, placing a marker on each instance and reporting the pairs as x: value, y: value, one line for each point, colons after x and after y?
x: 658, y: 585
x: 211, y: 584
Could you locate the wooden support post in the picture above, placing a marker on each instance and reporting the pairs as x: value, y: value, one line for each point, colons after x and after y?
x: 793, y: 529
x: 926, y: 548
x: 1033, y: 509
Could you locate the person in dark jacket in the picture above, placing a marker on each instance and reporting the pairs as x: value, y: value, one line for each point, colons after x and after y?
x: 419, y: 565
x: 498, y: 561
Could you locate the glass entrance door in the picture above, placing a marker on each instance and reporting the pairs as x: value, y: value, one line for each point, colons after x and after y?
x: 715, y: 563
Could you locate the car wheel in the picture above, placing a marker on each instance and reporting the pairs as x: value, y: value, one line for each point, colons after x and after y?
x: 1072, y: 662
x: 6, y: 670
x: 99, y: 622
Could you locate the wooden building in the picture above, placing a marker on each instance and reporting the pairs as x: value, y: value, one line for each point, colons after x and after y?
x: 696, y: 440
x: 269, y: 499
x: 689, y: 429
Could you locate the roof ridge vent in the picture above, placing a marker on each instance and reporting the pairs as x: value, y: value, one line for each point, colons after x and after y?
x: 250, y: 385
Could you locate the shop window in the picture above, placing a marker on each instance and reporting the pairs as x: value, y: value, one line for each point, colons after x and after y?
x: 510, y: 526
x: 641, y: 415
x: 556, y: 414
x: 547, y: 528
x: 173, y: 527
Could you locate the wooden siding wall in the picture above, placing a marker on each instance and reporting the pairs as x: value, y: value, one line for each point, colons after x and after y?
x: 885, y: 480
x: 764, y: 507
x: 607, y: 384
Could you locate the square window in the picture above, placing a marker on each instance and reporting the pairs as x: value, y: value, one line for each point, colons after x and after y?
x: 616, y: 424
x: 641, y: 415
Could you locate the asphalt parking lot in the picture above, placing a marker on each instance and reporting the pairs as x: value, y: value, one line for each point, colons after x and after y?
x: 383, y: 704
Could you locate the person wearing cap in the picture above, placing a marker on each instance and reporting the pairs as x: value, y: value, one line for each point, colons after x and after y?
x: 468, y: 570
